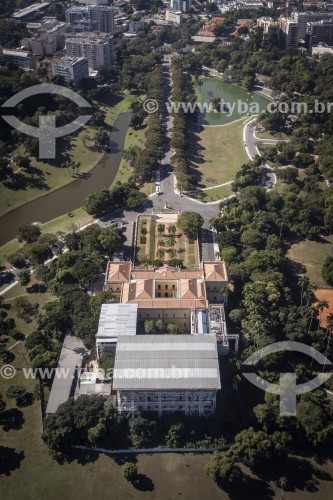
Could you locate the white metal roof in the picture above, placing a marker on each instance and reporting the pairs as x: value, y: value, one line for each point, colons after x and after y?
x: 166, y: 362
x: 115, y: 320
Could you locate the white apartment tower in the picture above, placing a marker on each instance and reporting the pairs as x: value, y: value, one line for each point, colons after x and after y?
x: 96, y: 48
x: 73, y: 69
x: 288, y: 35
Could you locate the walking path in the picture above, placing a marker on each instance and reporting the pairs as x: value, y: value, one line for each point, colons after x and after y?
x: 153, y: 450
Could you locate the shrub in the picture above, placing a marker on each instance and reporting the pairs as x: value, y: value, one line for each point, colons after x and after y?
x: 143, y: 240
x: 143, y: 230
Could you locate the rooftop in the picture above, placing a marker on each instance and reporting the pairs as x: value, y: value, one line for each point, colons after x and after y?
x: 30, y: 10
x: 181, y: 362
x: 64, y: 382
x: 116, y: 319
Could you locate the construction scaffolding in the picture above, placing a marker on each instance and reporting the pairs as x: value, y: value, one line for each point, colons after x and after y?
x: 201, y: 403
x: 212, y: 321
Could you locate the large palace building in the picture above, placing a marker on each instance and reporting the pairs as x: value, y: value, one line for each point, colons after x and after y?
x: 163, y: 372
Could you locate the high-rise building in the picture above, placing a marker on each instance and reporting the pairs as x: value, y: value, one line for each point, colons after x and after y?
x: 268, y: 24
x: 96, y: 47
x: 319, y: 32
x: 180, y: 5
x: 302, y: 18
x: 101, y: 17
x: 288, y: 34
x: 73, y: 69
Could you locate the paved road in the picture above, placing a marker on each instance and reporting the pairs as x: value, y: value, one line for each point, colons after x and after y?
x: 250, y: 144
x: 170, y: 195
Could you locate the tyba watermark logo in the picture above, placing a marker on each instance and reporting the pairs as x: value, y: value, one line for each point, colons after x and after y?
x: 288, y: 388
x: 47, y: 132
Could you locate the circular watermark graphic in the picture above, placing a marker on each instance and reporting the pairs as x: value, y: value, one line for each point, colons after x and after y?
x: 7, y: 372
x: 150, y: 106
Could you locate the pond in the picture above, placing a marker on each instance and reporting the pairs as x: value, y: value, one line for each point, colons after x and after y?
x: 235, y: 101
x: 72, y: 196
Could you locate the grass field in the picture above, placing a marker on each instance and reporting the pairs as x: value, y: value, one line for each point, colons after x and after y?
x: 279, y: 136
x: 217, y: 193
x: 223, y: 153
x: 311, y: 255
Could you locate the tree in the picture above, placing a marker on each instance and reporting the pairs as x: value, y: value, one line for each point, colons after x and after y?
x: 106, y: 362
x: 174, y: 436
x: 327, y: 270
x: 112, y: 240
x: 130, y: 471
x: 190, y: 223
x: 24, y: 277
x: 222, y: 469
x: 149, y: 327
x: 97, y: 204
x: 161, y: 228
x: 135, y: 199
x: 282, y: 483
x: 141, y: 430
x: 16, y: 392
x: 29, y: 233
x: 24, y: 309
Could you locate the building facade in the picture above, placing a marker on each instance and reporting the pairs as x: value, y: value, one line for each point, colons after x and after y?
x: 180, y: 5
x: 302, y: 18
x: 319, y: 32
x: 101, y: 17
x: 167, y: 374
x: 96, y: 48
x: 288, y: 34
x: 73, y: 69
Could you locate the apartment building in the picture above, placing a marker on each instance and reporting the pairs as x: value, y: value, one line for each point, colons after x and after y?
x: 48, y: 37
x: 288, y: 34
x: 22, y: 58
x: 73, y: 69
x: 101, y: 17
x: 97, y: 48
x: 319, y: 32
x: 302, y: 18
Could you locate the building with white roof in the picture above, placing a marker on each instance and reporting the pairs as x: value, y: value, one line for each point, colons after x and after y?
x: 74, y: 69
x: 167, y: 374
x: 115, y: 320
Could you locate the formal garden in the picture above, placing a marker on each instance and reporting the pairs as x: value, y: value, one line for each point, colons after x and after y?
x: 161, y: 243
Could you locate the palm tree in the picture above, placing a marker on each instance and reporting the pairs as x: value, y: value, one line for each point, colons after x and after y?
x: 308, y: 293
x: 303, y: 282
x: 161, y: 243
x: 172, y: 253
x: 282, y: 482
x: 160, y: 228
x: 172, y: 242
x: 172, y: 229
x: 160, y: 253
x: 322, y: 304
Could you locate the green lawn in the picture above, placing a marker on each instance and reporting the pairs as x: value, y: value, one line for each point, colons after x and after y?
x: 312, y: 255
x: 217, y: 193
x: 133, y: 138
x: 223, y: 153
